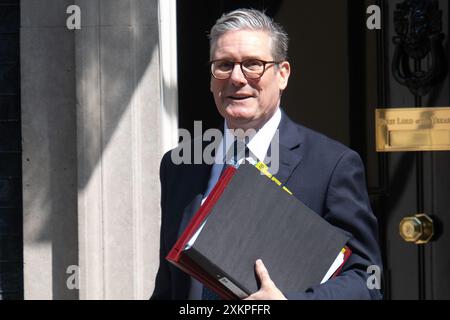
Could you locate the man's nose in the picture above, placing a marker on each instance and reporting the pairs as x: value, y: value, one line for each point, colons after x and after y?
x: 237, y: 77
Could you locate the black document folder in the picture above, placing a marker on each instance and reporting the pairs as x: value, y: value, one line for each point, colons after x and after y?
x: 254, y: 218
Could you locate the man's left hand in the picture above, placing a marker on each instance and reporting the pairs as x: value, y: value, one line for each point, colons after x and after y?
x: 268, y: 290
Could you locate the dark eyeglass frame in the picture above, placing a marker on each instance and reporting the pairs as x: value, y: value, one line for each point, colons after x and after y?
x: 242, y: 68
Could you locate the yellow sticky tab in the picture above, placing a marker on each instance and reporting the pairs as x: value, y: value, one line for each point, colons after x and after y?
x: 276, y: 181
x: 263, y: 168
x: 287, y: 190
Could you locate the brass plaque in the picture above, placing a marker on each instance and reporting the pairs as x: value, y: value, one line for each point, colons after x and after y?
x: 412, y: 129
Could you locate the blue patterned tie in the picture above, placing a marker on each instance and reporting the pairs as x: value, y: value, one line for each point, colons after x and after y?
x: 236, y: 152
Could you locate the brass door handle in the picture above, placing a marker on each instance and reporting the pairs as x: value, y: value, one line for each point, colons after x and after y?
x: 418, y: 228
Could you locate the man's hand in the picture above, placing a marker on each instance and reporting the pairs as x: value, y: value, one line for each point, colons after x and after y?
x: 268, y: 290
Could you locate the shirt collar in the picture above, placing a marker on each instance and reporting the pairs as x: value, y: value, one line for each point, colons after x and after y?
x: 258, y: 144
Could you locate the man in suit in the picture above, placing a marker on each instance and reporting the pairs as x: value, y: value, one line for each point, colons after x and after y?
x: 249, y: 73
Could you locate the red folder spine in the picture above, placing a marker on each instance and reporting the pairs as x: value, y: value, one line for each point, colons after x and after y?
x: 202, y: 213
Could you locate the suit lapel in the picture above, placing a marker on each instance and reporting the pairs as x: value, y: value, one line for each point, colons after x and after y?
x: 290, y: 147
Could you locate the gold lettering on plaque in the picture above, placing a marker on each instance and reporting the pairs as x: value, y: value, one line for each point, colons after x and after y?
x: 412, y: 129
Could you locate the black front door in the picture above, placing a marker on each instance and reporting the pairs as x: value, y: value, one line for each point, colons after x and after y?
x: 403, y: 184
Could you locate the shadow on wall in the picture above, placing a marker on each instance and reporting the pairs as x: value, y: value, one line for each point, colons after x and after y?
x: 105, y: 65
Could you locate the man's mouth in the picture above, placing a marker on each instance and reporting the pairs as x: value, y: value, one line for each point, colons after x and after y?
x: 240, y: 97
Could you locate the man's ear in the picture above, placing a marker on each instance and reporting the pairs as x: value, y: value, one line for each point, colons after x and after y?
x: 284, y: 68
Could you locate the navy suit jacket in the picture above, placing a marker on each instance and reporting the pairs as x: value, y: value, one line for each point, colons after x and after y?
x: 326, y: 175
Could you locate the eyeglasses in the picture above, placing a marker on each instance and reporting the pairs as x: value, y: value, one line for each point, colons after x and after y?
x: 251, y: 68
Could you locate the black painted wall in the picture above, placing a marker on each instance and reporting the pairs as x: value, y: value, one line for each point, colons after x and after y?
x: 11, y: 258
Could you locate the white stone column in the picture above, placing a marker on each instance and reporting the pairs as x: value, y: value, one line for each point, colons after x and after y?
x: 121, y: 125
x: 99, y: 108
x: 168, y: 53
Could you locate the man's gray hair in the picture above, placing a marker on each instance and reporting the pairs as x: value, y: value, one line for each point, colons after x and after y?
x: 251, y: 19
